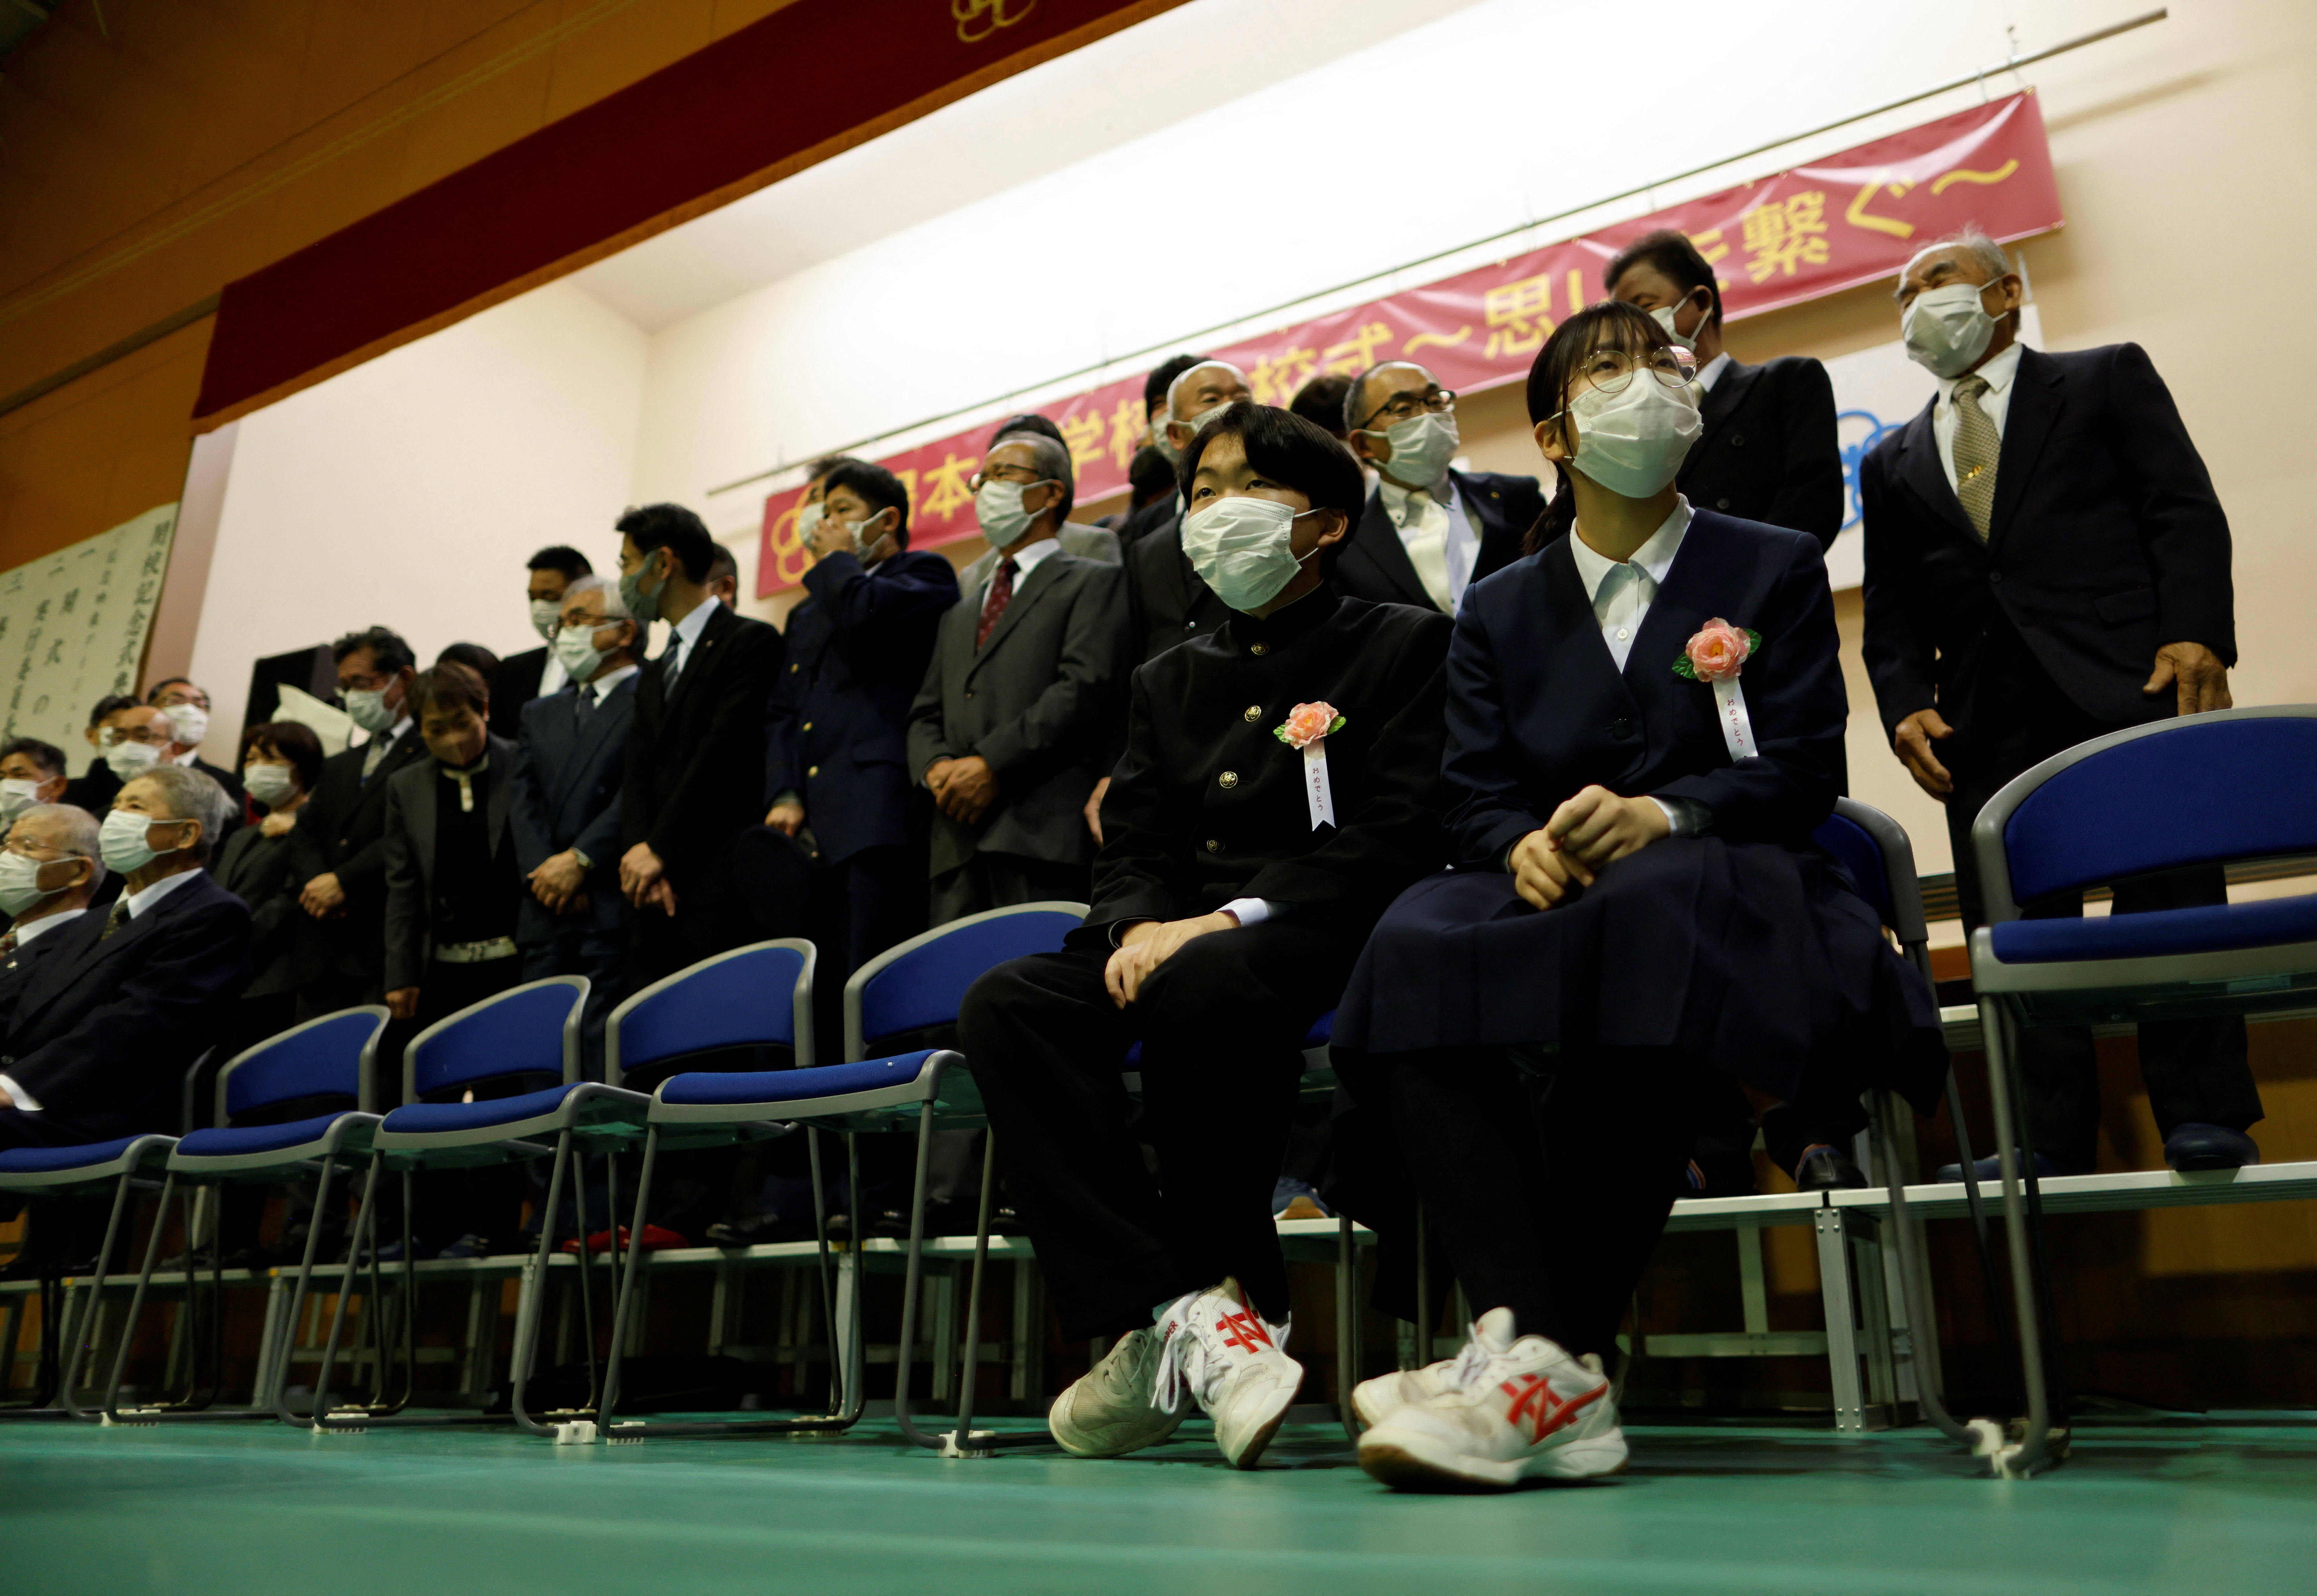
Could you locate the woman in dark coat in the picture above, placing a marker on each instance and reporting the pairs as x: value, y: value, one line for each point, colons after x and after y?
x: 1645, y: 724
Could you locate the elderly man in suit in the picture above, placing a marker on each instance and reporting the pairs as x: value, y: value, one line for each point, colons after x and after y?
x: 1081, y: 538
x: 564, y: 800
x: 693, y: 780
x: 49, y: 869
x: 131, y: 738
x: 1157, y: 397
x: 103, y: 1030
x: 2046, y: 562
x: 1011, y: 720
x: 339, y: 845
x: 1428, y: 532
x: 536, y: 673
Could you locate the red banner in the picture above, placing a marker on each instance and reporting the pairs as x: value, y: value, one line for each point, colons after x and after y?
x: 1852, y: 218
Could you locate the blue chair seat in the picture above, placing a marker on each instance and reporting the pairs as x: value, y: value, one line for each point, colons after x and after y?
x: 703, y: 1089
x: 2220, y: 928
x: 53, y: 1160
x: 420, y: 1119
x: 227, y: 1143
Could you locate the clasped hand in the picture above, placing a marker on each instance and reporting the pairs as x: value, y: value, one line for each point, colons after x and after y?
x: 1148, y: 944
x: 965, y: 789
x: 1594, y: 829
x: 556, y: 883
x: 643, y: 880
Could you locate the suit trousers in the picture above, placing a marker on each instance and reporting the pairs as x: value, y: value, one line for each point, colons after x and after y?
x: 2013, y: 717
x: 578, y: 946
x: 1221, y: 1026
x: 999, y: 881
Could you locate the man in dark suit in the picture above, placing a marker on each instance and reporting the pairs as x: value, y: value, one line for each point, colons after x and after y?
x: 2046, y: 562
x: 31, y: 772
x: 105, y: 1028
x: 339, y: 845
x: 1768, y: 452
x: 564, y: 800
x: 1011, y: 718
x: 534, y: 673
x: 1158, y: 394
x: 48, y: 872
x: 693, y: 780
x: 1081, y: 538
x: 186, y: 706
x: 1428, y: 532
x: 131, y: 738
x: 97, y: 782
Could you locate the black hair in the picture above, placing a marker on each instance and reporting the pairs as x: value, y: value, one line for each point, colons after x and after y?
x: 1301, y: 454
x: 1155, y: 386
x: 1672, y: 254
x: 1611, y: 324
x: 293, y: 742
x: 723, y: 564
x: 1150, y: 474
x: 877, y: 487
x: 1028, y: 421
x: 473, y: 655
x: 561, y: 557
x: 167, y: 682
x: 387, y: 650
x: 46, y: 755
x: 675, y: 529
x: 1321, y: 402
x: 451, y: 682
x: 111, y: 704
x: 826, y: 464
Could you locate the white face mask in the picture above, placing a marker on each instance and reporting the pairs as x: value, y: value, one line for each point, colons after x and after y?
x: 1242, y: 548
x: 546, y: 616
x: 866, y: 534
x: 1634, y: 442
x: 130, y: 760
x: 16, y: 796
x: 1422, y: 446
x: 1946, y: 328
x: 999, y: 508
x: 20, y: 883
x: 271, y: 785
x: 367, y: 708
x: 575, y: 652
x: 1190, y: 426
x: 191, y: 722
x: 809, y: 521
x: 1664, y: 314
x: 122, y: 843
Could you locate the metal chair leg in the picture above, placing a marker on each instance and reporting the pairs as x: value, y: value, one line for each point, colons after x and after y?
x: 905, y: 1356
x: 1923, y: 1326
x: 144, y: 1283
x: 963, y: 1442
x: 1348, y: 1324
x: 531, y: 1295
x: 609, y: 1398
x: 93, y: 1316
x: 2030, y: 1453
x: 364, y: 1231
x: 287, y: 1334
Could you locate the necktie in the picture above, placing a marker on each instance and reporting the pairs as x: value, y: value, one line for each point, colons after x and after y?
x: 375, y: 754
x: 583, y: 700
x: 1001, y: 594
x: 116, y: 920
x: 1425, y: 533
x: 1976, y: 446
x: 7, y: 944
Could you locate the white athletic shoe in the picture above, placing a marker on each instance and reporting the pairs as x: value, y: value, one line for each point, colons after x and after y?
x: 1515, y: 1411
x: 1108, y: 1412
x: 1232, y: 1363
x: 1374, y: 1401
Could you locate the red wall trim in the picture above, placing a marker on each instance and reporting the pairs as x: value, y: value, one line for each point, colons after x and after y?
x: 727, y: 119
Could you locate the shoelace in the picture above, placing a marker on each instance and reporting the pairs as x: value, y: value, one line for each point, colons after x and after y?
x: 1187, y: 1366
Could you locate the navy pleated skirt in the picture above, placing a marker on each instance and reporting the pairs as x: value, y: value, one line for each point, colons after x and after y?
x: 1756, y: 958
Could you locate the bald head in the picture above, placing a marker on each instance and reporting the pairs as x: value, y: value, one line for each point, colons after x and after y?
x: 1196, y: 397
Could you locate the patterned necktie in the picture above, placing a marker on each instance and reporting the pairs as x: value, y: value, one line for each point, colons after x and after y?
x: 1976, y: 446
x: 116, y: 920
x: 583, y: 699
x: 1001, y: 594
x: 7, y: 944
x: 1425, y: 535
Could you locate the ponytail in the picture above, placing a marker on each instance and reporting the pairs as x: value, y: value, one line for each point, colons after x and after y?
x: 1560, y: 516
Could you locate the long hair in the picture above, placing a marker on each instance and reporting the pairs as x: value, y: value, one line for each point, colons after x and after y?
x: 1610, y: 324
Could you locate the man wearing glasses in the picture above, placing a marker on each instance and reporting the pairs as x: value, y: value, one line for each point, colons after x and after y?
x: 1428, y: 532
x: 186, y: 707
x: 130, y: 741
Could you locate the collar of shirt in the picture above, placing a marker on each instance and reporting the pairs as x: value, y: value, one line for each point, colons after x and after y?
x: 688, y: 630
x: 142, y: 900
x: 552, y: 675
x: 1653, y: 559
x: 187, y: 757
x: 1999, y: 373
x: 1025, y: 560
x: 1711, y: 371
x: 601, y: 687
x: 392, y: 735
x: 26, y: 931
x: 1396, y: 497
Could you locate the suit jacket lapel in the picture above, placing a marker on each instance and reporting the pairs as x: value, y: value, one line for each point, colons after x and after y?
x: 590, y: 733
x: 701, y: 655
x: 2037, y: 401
x: 1042, y: 575
x: 67, y: 965
x: 1377, y: 538
x: 494, y: 801
x: 1722, y: 401
x: 1925, y: 475
x: 418, y: 814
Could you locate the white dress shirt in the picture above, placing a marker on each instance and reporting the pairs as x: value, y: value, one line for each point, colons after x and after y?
x: 1995, y: 404
x: 1442, y: 543
x: 1711, y: 371
x: 1621, y: 595
x: 24, y: 934
x: 598, y: 690
x: 683, y: 634
x: 551, y: 676
x: 374, y: 751
x: 141, y: 901
x: 1025, y: 560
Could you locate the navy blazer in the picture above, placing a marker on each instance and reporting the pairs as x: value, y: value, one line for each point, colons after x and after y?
x: 1538, y: 710
x: 1769, y: 452
x: 1372, y: 563
x: 836, y: 721
x: 2105, y: 542
x: 16, y: 970
x: 106, y: 1028
x: 342, y: 830
x: 565, y: 793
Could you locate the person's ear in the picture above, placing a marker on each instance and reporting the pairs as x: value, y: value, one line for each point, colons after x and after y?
x: 2011, y: 290
x: 1551, y: 440
x: 1333, y: 529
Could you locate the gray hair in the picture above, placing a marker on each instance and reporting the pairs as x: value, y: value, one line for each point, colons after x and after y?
x: 615, y: 608
x: 194, y: 795
x: 1180, y: 377
x: 1974, y: 243
x: 1049, y: 459
x: 82, y: 834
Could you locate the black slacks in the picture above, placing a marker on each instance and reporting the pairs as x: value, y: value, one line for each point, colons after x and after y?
x: 2011, y: 717
x: 999, y: 881
x: 1221, y: 1026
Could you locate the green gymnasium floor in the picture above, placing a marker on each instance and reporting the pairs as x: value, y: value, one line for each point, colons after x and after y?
x: 241, y: 1507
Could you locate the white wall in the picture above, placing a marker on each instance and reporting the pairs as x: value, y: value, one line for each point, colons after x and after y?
x: 408, y: 491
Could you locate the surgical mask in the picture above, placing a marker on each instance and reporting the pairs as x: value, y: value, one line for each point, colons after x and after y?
x: 1664, y: 314
x: 130, y: 760
x: 1632, y: 443
x: 122, y: 843
x: 1422, y: 446
x: 575, y: 652
x: 190, y: 721
x: 1195, y: 424
x: 16, y: 796
x: 808, y: 520
x: 1241, y: 546
x: 271, y: 785
x: 20, y: 883
x: 546, y: 616
x: 1946, y: 328
x: 865, y: 540
x: 644, y: 606
x: 367, y: 708
x: 999, y: 508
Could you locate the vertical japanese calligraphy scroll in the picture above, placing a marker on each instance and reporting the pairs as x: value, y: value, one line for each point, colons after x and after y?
x: 1851, y: 219
x: 73, y: 626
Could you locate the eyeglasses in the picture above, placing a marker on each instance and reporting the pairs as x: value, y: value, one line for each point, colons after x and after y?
x: 46, y: 853
x: 1440, y: 401
x: 1027, y: 478
x: 112, y: 737
x: 1609, y: 370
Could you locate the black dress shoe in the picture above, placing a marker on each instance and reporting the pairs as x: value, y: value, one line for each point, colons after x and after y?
x: 1825, y: 1169
x: 2209, y: 1147
x: 758, y: 1230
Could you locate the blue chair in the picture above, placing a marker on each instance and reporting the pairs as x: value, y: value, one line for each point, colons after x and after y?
x: 2197, y: 790
x: 905, y: 991
x: 332, y: 1057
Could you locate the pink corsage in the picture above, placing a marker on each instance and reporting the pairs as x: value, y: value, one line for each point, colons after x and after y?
x: 1718, y: 652
x: 1307, y: 723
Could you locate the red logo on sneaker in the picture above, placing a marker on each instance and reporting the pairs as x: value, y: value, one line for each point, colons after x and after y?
x: 1244, y: 1331
x: 1533, y: 1400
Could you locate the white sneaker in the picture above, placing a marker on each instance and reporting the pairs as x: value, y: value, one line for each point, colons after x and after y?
x: 1374, y: 1401
x: 1108, y: 1410
x: 1520, y: 1409
x: 1233, y: 1365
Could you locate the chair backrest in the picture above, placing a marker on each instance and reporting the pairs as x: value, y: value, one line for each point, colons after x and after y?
x: 334, y: 1056
x: 1881, y: 858
x: 751, y: 996
x: 532, y: 1029
x: 922, y: 981
x: 2203, y: 789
